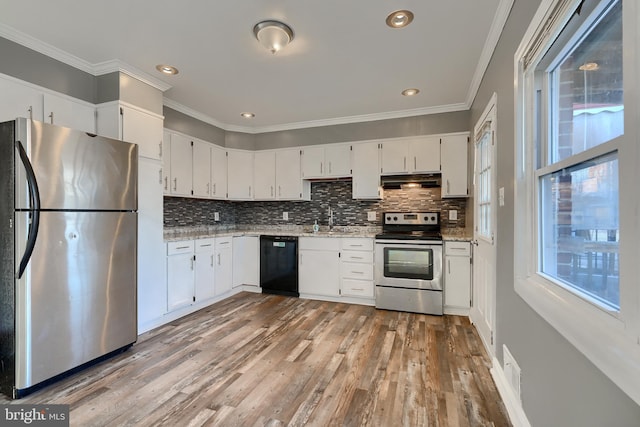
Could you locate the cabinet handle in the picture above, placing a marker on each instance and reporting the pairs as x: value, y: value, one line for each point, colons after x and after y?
x: 51, y: 117
x: 353, y: 245
x: 208, y: 185
x: 321, y: 168
x: 219, y: 260
x: 160, y: 174
x: 214, y: 188
x: 211, y: 260
x: 193, y: 259
x: 357, y: 272
x: 175, y: 184
x: 449, y: 265
x: 329, y: 167
x: 355, y: 257
x: 415, y: 163
x: 357, y: 289
x: 30, y: 110
x: 249, y: 191
x: 166, y: 183
x: 448, y: 187
x: 272, y: 191
x: 279, y: 191
x: 160, y: 149
x: 405, y: 164
x: 182, y: 247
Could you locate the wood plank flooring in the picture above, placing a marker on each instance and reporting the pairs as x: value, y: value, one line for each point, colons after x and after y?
x: 266, y: 360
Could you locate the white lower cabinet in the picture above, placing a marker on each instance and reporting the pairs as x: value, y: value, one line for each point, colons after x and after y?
x: 356, y: 267
x: 319, y: 266
x: 204, y: 269
x: 457, y: 277
x: 246, y: 261
x: 180, y: 274
x: 223, y: 264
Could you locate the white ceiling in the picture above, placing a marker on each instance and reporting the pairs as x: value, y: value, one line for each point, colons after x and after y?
x: 344, y: 64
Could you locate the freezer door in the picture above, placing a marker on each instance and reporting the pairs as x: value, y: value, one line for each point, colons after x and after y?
x: 76, y: 170
x: 77, y: 298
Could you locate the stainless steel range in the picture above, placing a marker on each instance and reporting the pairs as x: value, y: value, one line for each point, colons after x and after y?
x: 408, y: 263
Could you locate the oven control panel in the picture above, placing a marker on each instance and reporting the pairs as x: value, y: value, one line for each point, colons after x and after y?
x: 412, y: 218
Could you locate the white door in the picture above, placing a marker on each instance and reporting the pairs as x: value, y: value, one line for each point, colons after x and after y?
x: 483, y: 313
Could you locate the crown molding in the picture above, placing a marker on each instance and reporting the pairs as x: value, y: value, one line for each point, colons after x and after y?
x: 497, y: 25
x: 195, y: 114
x: 115, y: 65
x: 39, y: 46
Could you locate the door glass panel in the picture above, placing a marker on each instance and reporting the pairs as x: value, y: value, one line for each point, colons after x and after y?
x: 408, y: 263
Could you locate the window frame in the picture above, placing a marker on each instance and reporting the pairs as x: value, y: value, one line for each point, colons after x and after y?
x: 610, y: 340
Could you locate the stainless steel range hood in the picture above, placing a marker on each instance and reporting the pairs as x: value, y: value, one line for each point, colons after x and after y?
x: 397, y: 182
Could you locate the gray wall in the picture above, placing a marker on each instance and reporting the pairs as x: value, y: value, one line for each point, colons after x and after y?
x: 560, y: 387
x: 140, y: 94
x: 180, y: 122
x: 28, y: 65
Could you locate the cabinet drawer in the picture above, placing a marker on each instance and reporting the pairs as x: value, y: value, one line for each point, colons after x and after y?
x: 204, y: 245
x: 223, y: 242
x: 357, y: 243
x: 357, y: 288
x: 457, y: 248
x: 357, y: 256
x: 180, y: 247
x: 319, y: 243
x: 352, y: 270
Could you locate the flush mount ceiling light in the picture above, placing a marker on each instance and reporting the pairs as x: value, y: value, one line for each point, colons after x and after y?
x: 273, y: 35
x: 589, y: 66
x: 410, y: 92
x: 248, y: 115
x: 167, y: 69
x: 399, y: 18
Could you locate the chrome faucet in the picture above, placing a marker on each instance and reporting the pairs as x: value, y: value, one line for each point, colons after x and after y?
x: 330, y: 215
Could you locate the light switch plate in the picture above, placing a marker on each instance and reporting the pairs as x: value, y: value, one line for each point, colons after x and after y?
x: 216, y: 216
x: 285, y: 216
x: 501, y: 196
x: 372, y: 216
x: 453, y: 215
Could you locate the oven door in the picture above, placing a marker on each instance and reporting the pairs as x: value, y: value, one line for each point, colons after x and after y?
x: 410, y: 264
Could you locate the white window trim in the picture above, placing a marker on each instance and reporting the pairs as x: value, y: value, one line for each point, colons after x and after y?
x: 611, y: 343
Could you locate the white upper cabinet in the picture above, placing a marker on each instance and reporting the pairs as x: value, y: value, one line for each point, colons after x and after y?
x: 332, y: 161
x: 72, y: 113
x: 132, y: 124
x: 181, y: 164
x: 366, y: 171
x: 288, y: 176
x: 454, y: 165
x: 264, y: 175
x: 166, y: 163
x: 418, y: 154
x: 19, y: 100
x: 201, y: 163
x: 218, y: 172
x: 240, y: 177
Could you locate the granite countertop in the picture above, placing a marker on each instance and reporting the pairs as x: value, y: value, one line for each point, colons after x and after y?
x: 202, y: 232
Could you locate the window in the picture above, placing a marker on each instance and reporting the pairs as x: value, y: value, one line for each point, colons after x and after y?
x: 576, y: 151
x: 484, y: 142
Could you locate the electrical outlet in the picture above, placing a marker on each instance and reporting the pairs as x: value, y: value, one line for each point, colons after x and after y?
x: 216, y: 216
x: 285, y: 216
x: 453, y: 215
x: 372, y: 216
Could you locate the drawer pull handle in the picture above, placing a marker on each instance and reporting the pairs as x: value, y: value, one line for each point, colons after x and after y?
x: 357, y: 289
x: 358, y: 272
x: 205, y: 245
x: 182, y: 247
x: 356, y: 257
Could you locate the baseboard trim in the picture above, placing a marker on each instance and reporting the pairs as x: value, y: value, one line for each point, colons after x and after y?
x: 511, y: 402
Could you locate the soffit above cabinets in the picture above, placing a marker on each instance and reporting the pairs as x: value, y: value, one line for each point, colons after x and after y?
x: 343, y: 65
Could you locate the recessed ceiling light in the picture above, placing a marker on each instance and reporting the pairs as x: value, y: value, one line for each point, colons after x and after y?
x: 589, y: 66
x: 399, y: 18
x: 410, y: 92
x: 248, y: 115
x: 167, y: 69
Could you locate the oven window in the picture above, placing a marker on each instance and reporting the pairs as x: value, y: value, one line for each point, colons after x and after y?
x: 408, y: 263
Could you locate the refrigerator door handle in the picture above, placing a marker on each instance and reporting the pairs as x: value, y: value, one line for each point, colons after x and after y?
x: 34, y: 202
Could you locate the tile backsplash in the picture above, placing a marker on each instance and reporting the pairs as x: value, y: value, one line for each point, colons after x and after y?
x: 334, y: 194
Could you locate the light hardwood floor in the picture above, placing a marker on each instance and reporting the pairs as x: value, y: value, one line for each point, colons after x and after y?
x: 266, y: 360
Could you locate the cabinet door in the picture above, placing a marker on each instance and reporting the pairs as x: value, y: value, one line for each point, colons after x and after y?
x: 65, y: 111
x: 338, y: 160
x: 180, y: 165
x: 424, y: 155
x: 142, y: 128
x: 223, y: 265
x: 264, y: 175
x: 166, y: 163
x: 366, y: 172
x: 240, y: 177
x: 201, y: 169
x: 152, y: 295
x: 204, y: 275
x: 457, y: 282
x: 288, y: 179
x: 393, y: 157
x: 319, y: 273
x: 19, y: 100
x: 246, y: 261
x: 313, y: 162
x: 180, y: 280
x: 218, y: 172
x: 453, y: 154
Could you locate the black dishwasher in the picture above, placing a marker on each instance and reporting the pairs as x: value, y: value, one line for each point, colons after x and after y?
x: 279, y: 265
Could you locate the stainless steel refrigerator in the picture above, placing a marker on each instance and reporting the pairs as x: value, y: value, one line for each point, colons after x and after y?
x: 68, y: 251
